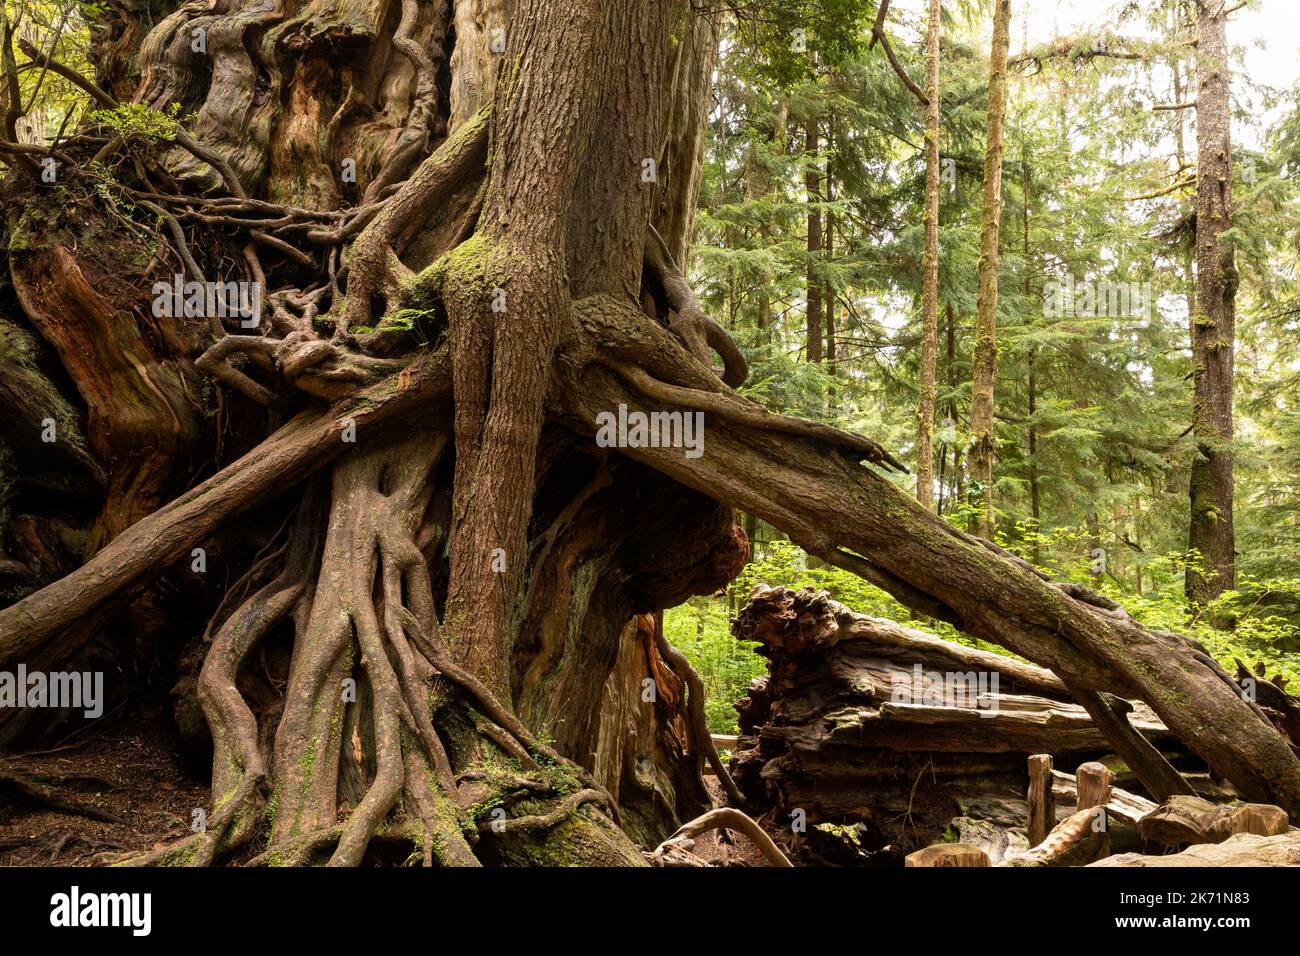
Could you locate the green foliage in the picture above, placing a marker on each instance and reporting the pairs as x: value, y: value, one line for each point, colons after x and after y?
x: 700, y: 630
x: 108, y: 188
x: 139, y: 121
x: 1093, y: 448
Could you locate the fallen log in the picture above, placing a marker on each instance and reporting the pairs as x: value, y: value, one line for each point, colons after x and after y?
x: 813, y: 489
x: 868, y: 721
x: 1245, y: 849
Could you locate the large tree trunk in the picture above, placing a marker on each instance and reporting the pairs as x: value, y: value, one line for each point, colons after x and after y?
x: 983, y: 442
x: 1210, y: 535
x: 470, y: 582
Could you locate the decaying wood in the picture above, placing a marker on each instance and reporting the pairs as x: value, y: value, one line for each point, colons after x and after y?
x: 818, y: 494
x: 1182, y: 820
x: 1241, y: 850
x: 948, y: 854
x: 1077, y: 840
x: 1093, y: 782
x: 999, y: 843
x: 1042, y: 801
x: 850, y: 724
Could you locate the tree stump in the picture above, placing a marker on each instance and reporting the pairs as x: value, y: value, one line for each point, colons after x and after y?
x: 948, y: 854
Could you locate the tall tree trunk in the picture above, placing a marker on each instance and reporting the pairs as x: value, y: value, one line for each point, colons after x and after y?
x: 1035, y: 497
x: 930, y: 268
x: 1210, y: 535
x: 829, y: 295
x: 813, y: 282
x: 986, y: 349
x: 950, y: 365
x: 469, y: 579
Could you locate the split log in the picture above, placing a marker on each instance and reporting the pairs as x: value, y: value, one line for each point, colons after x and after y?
x: 1244, y: 849
x: 1182, y: 820
x: 948, y: 854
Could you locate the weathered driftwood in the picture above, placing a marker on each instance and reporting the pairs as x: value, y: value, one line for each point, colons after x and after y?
x: 865, y: 720
x: 1242, y: 850
x: 1076, y: 841
x: 1181, y: 820
x: 948, y: 854
x: 1041, y: 799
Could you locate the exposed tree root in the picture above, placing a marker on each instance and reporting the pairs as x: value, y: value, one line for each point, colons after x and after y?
x: 371, y: 604
x: 730, y: 818
x: 31, y: 791
x: 701, y: 740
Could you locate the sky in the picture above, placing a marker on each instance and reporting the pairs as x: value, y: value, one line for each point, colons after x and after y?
x: 1265, y: 36
x: 1266, y: 32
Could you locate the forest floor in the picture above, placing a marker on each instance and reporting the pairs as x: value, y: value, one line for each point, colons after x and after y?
x: 726, y: 847
x: 130, y: 789
x: 127, y: 788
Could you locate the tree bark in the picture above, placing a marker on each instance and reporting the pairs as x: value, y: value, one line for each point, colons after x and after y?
x: 1213, y: 326
x: 813, y: 283
x: 983, y: 440
x: 930, y: 269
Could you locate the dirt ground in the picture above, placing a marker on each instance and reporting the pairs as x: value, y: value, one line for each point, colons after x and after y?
x: 91, y: 799
x: 88, y: 800
x: 726, y: 847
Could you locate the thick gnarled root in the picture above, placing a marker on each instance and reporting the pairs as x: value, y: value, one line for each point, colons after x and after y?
x: 376, y: 710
